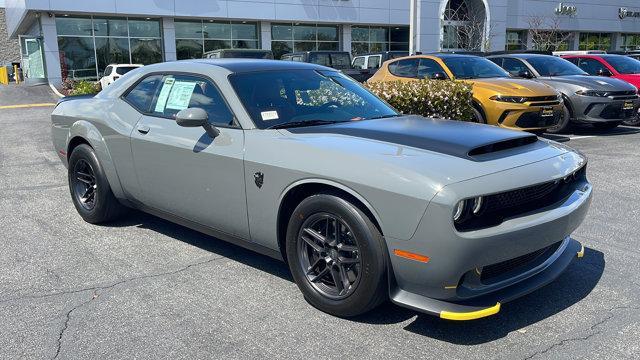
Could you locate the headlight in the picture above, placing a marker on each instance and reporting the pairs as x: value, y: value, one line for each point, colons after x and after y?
x: 511, y: 99
x: 593, y: 93
x: 457, y: 214
x: 466, y: 208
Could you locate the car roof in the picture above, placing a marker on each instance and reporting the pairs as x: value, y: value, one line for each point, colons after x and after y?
x: 251, y: 65
x: 522, y: 56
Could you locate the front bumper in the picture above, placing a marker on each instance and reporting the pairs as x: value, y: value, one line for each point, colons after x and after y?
x: 490, y: 304
x: 530, y: 116
x: 588, y: 109
x: 450, y: 282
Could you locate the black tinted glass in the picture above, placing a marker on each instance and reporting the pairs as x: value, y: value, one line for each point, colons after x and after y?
x: 405, y: 68
x: 554, y: 66
x: 141, y: 95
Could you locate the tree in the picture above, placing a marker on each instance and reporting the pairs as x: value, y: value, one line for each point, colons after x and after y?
x: 545, y: 33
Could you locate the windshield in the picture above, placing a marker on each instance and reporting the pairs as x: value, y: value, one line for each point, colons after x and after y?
x: 467, y: 67
x: 278, y: 98
x: 124, y: 69
x: 554, y: 66
x: 623, y: 64
x: 335, y: 60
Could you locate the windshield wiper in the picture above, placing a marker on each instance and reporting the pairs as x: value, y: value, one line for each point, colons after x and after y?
x: 293, y: 124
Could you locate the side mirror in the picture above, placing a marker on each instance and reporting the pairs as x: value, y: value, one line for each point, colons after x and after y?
x: 525, y: 74
x: 438, y: 76
x: 603, y: 72
x: 196, y: 117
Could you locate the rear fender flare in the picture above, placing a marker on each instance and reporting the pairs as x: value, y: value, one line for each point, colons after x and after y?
x: 92, y: 135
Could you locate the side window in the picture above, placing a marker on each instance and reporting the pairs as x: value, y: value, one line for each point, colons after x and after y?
x: 514, y: 66
x: 405, y: 68
x: 591, y: 66
x: 179, y: 92
x: 428, y: 68
x: 107, y: 71
x: 358, y: 63
x: 374, y: 62
x: 573, y: 60
x: 141, y: 95
x: 497, y: 61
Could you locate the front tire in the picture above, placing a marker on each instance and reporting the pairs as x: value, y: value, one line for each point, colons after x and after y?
x: 89, y: 187
x: 564, y: 124
x: 336, y: 256
x: 634, y: 121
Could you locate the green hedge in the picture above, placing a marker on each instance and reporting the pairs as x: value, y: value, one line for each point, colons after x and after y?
x: 444, y: 99
x: 71, y: 87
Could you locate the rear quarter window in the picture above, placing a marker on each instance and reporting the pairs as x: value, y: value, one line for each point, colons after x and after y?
x: 141, y: 95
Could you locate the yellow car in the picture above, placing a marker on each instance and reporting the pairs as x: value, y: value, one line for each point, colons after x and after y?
x: 498, y: 99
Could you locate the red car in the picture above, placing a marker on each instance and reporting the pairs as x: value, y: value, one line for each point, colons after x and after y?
x: 616, y: 66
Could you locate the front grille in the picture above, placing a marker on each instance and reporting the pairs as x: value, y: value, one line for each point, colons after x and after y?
x: 509, y: 204
x: 615, y: 111
x: 621, y: 93
x: 534, y: 120
x: 493, y: 273
x: 543, y: 98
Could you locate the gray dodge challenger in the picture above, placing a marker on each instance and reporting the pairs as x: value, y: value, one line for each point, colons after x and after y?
x: 299, y: 162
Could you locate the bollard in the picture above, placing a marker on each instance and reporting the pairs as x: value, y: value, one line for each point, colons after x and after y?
x: 4, y: 75
x: 15, y: 74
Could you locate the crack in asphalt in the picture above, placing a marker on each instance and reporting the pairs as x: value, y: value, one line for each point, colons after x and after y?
x: 583, y: 338
x: 95, y: 294
x: 106, y: 287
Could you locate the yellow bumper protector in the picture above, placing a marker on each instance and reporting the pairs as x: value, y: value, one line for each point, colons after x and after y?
x: 461, y: 316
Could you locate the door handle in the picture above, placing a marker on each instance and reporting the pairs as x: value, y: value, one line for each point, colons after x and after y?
x: 143, y: 129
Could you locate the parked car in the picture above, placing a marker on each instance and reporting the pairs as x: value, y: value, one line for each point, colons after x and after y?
x: 375, y: 60
x: 603, y: 102
x: 114, y: 71
x: 577, y: 52
x: 498, y: 99
x: 615, y: 66
x: 299, y: 162
x: 238, y: 54
x: 634, y: 54
x: 340, y: 60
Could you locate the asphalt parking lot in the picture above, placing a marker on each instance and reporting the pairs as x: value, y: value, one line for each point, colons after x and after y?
x: 146, y: 288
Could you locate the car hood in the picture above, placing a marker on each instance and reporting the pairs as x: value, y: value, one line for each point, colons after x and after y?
x: 513, y: 87
x: 633, y: 79
x: 591, y: 82
x: 412, y: 147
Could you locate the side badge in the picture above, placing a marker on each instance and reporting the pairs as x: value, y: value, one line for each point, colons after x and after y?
x: 259, y: 179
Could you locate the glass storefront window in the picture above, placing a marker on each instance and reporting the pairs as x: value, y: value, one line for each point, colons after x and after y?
x: 88, y: 45
x: 516, y: 40
x: 193, y: 38
x: 595, y: 41
x: 370, y: 39
x: 630, y: 42
x: 287, y: 38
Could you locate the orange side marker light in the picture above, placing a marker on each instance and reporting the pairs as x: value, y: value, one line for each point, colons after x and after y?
x: 411, y: 256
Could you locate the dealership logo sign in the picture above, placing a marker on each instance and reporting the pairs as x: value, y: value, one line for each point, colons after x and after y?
x: 564, y: 9
x: 625, y: 13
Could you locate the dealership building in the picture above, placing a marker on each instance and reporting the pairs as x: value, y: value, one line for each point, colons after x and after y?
x: 78, y: 39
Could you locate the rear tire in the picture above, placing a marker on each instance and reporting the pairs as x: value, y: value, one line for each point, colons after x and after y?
x: 89, y: 187
x: 564, y: 124
x: 607, y: 125
x: 358, y: 255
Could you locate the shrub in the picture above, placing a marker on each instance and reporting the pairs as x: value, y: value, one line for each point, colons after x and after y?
x: 444, y: 99
x: 85, y: 87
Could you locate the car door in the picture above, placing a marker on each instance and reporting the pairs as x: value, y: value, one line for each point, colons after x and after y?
x: 183, y: 171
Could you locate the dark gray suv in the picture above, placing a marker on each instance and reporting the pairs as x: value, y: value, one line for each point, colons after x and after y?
x: 602, y: 102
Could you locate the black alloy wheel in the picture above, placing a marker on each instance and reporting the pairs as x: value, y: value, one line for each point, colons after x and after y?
x: 84, y: 184
x: 329, y: 255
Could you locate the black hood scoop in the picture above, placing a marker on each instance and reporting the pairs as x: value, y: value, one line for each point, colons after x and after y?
x: 457, y: 138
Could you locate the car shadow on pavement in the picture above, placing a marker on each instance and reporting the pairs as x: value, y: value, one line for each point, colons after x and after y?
x: 572, y: 286
x: 591, y: 131
x: 205, y: 242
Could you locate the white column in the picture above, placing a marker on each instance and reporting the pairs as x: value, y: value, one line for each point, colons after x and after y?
x: 414, y: 29
x: 169, y: 39
x: 265, y: 35
x: 346, y: 38
x: 53, y: 70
